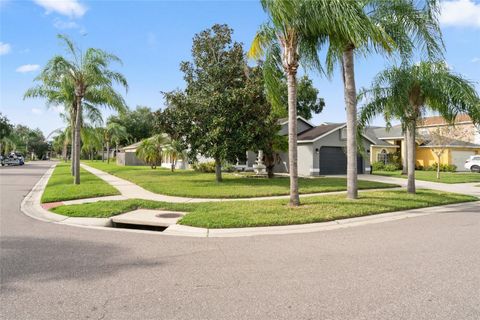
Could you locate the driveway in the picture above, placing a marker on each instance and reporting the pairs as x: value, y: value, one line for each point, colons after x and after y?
x: 471, y: 189
x: 421, y: 268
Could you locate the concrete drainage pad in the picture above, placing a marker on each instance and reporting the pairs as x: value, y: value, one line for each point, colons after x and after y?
x: 144, y: 217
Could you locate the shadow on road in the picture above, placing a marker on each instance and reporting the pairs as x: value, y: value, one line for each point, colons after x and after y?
x: 30, y: 259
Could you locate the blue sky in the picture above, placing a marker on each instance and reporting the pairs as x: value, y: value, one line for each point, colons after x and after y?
x: 152, y: 37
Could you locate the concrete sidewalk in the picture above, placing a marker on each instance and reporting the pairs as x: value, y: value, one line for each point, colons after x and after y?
x: 130, y: 190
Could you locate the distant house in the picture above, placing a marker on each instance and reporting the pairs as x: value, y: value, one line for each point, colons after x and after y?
x: 321, y: 149
x: 127, y: 156
x: 463, y: 142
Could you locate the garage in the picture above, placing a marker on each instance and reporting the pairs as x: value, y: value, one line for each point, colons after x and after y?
x: 333, y: 160
x: 459, y: 158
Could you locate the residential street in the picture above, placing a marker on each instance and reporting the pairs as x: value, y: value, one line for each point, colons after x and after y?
x: 420, y: 268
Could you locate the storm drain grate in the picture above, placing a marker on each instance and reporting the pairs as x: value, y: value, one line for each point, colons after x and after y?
x: 137, y: 226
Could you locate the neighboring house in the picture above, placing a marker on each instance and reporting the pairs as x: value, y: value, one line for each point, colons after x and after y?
x: 463, y: 141
x: 321, y: 150
x: 127, y: 156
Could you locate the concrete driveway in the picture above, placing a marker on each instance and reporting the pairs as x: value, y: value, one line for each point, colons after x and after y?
x: 421, y: 268
x: 471, y: 189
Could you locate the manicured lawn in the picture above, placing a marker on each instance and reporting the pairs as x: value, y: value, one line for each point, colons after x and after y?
x: 236, y: 214
x: 445, y: 177
x: 188, y: 183
x: 60, y: 186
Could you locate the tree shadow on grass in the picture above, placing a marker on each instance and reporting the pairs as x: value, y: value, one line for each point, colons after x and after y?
x: 48, y: 260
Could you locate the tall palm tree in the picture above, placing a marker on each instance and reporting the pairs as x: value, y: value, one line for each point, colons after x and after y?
x: 89, y: 78
x: 409, y: 91
x: 111, y: 133
x: 409, y: 25
x: 292, y: 37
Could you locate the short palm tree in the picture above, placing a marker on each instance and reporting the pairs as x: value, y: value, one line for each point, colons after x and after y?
x: 402, y: 26
x: 151, y: 150
x: 175, y: 151
x: 296, y: 31
x: 409, y: 91
x: 113, y: 132
x: 86, y: 77
x: 92, y: 138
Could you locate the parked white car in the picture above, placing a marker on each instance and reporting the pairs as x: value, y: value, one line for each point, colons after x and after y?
x: 473, y: 163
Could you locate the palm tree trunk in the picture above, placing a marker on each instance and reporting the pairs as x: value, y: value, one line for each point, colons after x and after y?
x: 64, y: 151
x: 405, y: 154
x: 350, y: 93
x: 103, y: 152
x: 72, y: 142
x: 292, y: 137
x: 108, y: 152
x: 218, y: 170
x: 411, y: 158
x: 78, y: 124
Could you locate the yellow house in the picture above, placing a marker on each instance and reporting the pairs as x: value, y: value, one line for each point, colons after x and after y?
x: 436, y: 139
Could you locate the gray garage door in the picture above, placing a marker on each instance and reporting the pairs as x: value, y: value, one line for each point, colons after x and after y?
x: 333, y: 160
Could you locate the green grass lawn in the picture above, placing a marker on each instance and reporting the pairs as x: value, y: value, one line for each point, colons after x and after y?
x: 237, y: 214
x: 188, y: 183
x: 445, y: 177
x: 60, y: 187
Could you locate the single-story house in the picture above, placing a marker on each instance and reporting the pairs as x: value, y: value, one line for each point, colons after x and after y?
x: 461, y: 141
x: 127, y: 156
x: 321, y: 150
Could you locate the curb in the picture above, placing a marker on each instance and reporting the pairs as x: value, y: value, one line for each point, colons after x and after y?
x: 31, y: 207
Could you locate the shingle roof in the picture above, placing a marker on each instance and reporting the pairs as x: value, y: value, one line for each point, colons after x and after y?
x: 384, y: 133
x: 452, y: 143
x: 370, y: 132
x: 318, y: 131
x: 438, y: 120
x: 132, y: 146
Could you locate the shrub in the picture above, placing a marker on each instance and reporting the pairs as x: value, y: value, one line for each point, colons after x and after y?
x: 390, y: 167
x: 209, y: 167
x: 205, y: 167
x: 378, y: 166
x: 443, y: 167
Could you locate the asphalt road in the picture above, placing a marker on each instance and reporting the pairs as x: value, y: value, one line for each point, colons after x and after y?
x: 421, y: 268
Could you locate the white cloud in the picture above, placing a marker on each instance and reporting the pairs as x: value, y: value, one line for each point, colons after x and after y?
x: 37, y: 111
x: 28, y: 68
x: 70, y: 8
x: 460, y: 13
x: 62, y: 25
x: 4, y: 48
x: 475, y: 60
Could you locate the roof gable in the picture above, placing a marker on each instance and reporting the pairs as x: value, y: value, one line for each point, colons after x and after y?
x: 319, y: 131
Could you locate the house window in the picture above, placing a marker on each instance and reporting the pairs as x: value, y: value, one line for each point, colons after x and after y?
x: 383, y: 156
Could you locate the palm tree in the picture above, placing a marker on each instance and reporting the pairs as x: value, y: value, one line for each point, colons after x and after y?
x: 409, y: 91
x: 175, y: 151
x: 113, y: 132
x: 151, y: 150
x: 92, y: 138
x: 296, y: 31
x: 7, y: 145
x: 87, y: 78
x: 407, y: 25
